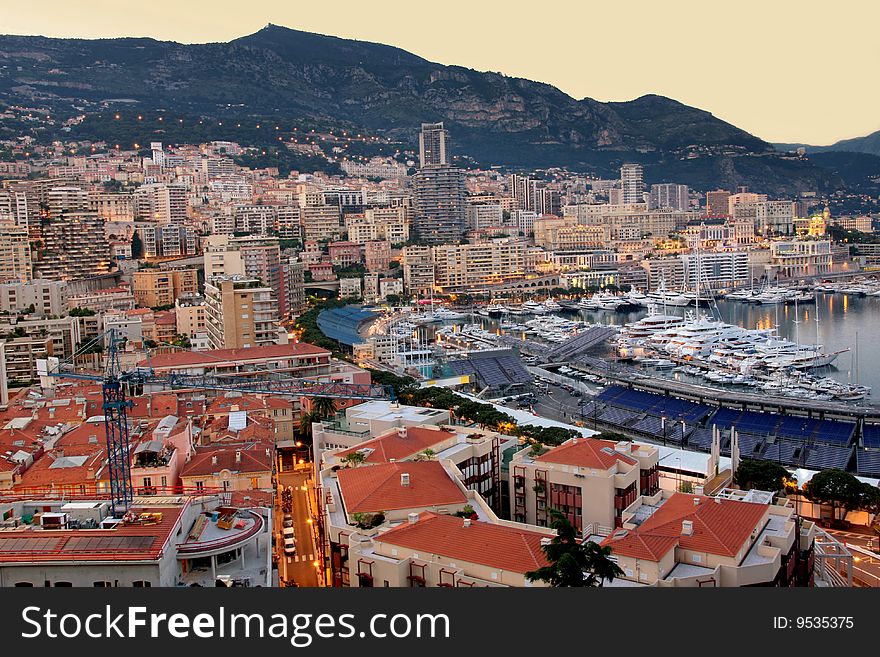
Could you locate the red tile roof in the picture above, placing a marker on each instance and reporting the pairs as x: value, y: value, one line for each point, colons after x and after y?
x: 215, y: 356
x: 586, y: 453
x: 497, y: 546
x: 392, y: 446
x: 41, y: 473
x: 253, y: 459
x: 372, y: 488
x: 721, y: 527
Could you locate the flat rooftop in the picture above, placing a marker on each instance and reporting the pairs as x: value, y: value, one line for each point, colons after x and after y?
x: 140, y: 540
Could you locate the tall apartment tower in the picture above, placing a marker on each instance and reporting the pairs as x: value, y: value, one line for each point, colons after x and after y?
x: 433, y: 145
x: 440, y: 198
x: 15, y: 252
x: 240, y: 312
x: 717, y: 203
x: 670, y: 196
x: 73, y: 246
x: 632, y: 183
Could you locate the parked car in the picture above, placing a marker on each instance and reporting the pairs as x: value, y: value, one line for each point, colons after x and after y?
x: 287, y: 520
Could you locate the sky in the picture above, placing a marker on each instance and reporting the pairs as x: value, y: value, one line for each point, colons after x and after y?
x: 785, y: 70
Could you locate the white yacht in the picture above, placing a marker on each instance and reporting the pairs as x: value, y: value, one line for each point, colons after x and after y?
x: 662, y: 296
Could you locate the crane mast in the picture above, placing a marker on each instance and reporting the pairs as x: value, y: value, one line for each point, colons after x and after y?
x: 116, y: 404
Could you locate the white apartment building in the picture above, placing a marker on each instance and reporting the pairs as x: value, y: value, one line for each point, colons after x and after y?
x: 795, y: 258
x: 775, y: 217
x: 482, y: 216
x: 464, y: 267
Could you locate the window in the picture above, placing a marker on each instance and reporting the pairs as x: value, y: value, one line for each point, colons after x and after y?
x: 63, y: 584
x: 141, y: 584
x: 255, y: 482
x: 200, y: 485
x: 27, y: 584
x: 102, y: 584
x: 164, y: 482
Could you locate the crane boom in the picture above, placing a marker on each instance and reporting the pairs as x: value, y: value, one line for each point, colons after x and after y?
x: 115, y: 381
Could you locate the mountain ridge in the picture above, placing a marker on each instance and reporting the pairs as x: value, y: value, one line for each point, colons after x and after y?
x: 494, y: 119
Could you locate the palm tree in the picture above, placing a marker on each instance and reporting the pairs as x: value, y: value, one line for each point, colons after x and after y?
x: 324, y: 407
x: 305, y: 426
x: 572, y: 563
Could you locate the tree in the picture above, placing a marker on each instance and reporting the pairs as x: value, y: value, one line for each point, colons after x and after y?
x: 305, y: 426
x: 763, y: 475
x: 354, y: 459
x: 427, y: 454
x: 324, y: 407
x: 137, y: 246
x: 869, y: 499
x: 836, y: 488
x: 573, y: 563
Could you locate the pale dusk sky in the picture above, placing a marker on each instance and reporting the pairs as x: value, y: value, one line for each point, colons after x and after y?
x: 785, y: 70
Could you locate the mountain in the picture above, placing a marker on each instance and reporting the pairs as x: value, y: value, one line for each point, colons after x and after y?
x: 296, y: 76
x: 869, y: 144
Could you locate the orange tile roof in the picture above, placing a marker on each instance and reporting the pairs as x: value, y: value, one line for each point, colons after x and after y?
x: 586, y: 453
x: 215, y: 356
x: 497, y: 546
x: 391, y: 446
x: 372, y: 488
x: 719, y: 527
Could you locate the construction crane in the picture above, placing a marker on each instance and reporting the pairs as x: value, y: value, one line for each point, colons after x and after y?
x: 115, y: 382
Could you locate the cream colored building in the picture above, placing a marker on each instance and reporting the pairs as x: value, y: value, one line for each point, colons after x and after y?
x: 15, y: 253
x: 390, y: 224
x: 240, y: 313
x: 794, y: 258
x: 737, y: 538
x: 45, y: 296
x: 565, y: 234
x: 189, y: 315
x: 418, y: 270
x: 438, y: 550
x: 588, y: 480
x: 464, y: 267
x: 160, y: 287
x: 320, y: 222
x: 364, y: 505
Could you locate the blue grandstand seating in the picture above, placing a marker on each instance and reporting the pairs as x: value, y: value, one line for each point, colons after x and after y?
x: 342, y: 324
x: 725, y: 418
x: 797, y: 427
x: 747, y: 444
x: 657, y: 405
x: 700, y: 438
x: 825, y: 456
x: 868, y: 462
x: 871, y: 435
x: 759, y: 423
x: 832, y: 431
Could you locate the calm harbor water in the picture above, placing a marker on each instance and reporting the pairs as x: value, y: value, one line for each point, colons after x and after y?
x: 845, y: 322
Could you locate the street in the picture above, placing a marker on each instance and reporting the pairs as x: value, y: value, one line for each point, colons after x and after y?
x: 866, y: 568
x: 300, y: 568
x: 558, y: 404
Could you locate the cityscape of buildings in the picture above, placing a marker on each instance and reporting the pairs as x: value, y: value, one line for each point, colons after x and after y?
x: 201, y: 266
